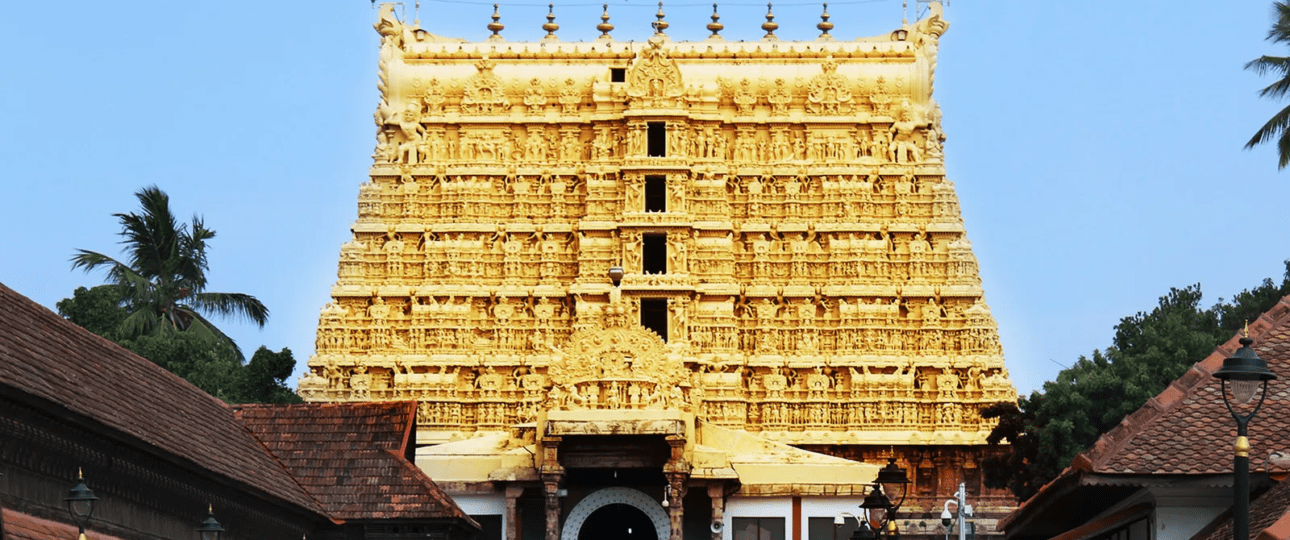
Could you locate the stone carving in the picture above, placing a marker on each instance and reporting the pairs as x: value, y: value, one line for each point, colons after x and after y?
x: 654, y: 80
x: 484, y: 93
x: 829, y: 92
x: 818, y: 279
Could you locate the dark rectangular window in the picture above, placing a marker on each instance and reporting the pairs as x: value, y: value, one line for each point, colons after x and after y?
x: 758, y: 528
x: 654, y: 253
x: 490, y: 526
x: 657, y: 139
x: 654, y: 315
x: 822, y: 528
x: 655, y: 193
x: 617, y: 74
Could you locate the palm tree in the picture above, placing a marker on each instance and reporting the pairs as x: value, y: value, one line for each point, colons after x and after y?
x: 163, y: 286
x: 1279, y: 126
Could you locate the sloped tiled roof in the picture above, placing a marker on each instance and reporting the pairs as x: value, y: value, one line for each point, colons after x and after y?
x: 18, y: 526
x: 50, y: 359
x: 352, y: 458
x: 1268, y: 517
x: 1187, y: 429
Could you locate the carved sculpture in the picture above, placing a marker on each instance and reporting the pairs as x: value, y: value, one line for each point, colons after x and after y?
x: 818, y: 277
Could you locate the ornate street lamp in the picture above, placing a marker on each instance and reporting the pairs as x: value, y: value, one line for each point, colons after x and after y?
x: 1247, y: 373
x: 80, y: 503
x: 210, y: 529
x: 878, y: 506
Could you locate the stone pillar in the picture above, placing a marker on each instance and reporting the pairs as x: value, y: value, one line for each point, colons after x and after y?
x: 552, y: 474
x: 513, y: 512
x: 677, y: 471
x: 717, y: 493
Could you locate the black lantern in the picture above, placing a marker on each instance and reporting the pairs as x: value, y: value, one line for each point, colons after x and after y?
x: 80, y: 502
x: 877, y: 506
x: 210, y: 529
x: 863, y: 532
x: 892, y: 479
x: 1248, y: 375
x: 616, y: 274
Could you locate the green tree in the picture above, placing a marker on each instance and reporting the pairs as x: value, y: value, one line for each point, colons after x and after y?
x: 1275, y: 128
x: 97, y: 309
x: 264, y: 378
x: 162, y: 285
x: 1149, y: 350
x: 206, y: 361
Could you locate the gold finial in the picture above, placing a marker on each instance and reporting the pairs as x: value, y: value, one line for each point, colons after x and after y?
x: 550, y: 25
x: 825, y: 25
x: 770, y: 25
x: 80, y: 476
x: 904, y: 12
x: 715, y: 26
x: 604, y: 26
x: 210, y: 508
x: 660, y: 25
x: 1247, y: 328
x: 496, y: 26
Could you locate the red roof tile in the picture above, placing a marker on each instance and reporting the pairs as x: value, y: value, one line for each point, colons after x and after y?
x: 1187, y: 429
x: 352, y: 457
x: 1269, y: 519
x: 24, y: 527
x: 51, y: 359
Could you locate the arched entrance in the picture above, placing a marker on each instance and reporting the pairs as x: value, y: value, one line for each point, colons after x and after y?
x: 606, y: 515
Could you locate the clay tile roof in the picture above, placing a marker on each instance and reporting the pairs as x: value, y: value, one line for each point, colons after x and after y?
x: 1269, y: 519
x: 1186, y: 429
x: 63, y: 366
x: 353, y: 458
x: 24, y: 527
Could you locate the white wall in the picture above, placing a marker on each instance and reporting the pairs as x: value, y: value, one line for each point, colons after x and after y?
x: 485, y: 504
x: 1182, y: 522
x: 758, y: 507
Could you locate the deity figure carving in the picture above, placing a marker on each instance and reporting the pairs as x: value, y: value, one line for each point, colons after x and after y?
x: 780, y: 97
x: 745, y: 98
x: 829, y: 92
x: 535, y: 97
x: 485, y: 93
x: 654, y: 80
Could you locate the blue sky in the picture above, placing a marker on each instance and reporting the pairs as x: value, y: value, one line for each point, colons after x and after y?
x: 1096, y: 145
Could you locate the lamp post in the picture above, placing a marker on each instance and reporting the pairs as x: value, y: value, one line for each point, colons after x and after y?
x: 962, y: 509
x: 80, y: 503
x: 1247, y: 373
x: 878, y: 507
x: 210, y: 529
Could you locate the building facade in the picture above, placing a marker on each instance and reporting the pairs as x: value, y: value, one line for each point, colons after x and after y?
x: 732, y: 276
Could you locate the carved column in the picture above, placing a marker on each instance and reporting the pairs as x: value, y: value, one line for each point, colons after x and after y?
x: 677, y: 471
x: 552, y: 478
x: 717, y: 493
x: 513, y: 512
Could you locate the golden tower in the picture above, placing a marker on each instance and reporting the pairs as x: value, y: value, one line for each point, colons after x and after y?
x: 757, y: 236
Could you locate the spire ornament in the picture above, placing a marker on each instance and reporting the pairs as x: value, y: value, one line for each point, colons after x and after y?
x: 550, y: 25
x: 770, y: 25
x: 825, y: 25
x: 660, y: 25
x: 496, y: 26
x: 604, y: 27
x: 715, y: 26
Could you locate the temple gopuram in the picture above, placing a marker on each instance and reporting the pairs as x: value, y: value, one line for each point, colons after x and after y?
x: 668, y: 290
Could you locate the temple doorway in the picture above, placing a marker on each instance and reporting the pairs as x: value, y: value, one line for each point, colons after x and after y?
x: 609, y: 513
x: 617, y: 522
